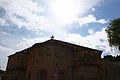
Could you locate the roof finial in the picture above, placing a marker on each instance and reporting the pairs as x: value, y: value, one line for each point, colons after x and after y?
x: 52, y: 37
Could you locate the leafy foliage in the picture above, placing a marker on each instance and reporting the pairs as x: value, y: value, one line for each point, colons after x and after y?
x: 113, y: 33
x: 112, y: 58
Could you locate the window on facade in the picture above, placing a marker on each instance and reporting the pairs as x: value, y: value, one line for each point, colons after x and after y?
x: 42, y: 75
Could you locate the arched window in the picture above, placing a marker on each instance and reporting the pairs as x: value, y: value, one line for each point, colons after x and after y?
x: 42, y: 75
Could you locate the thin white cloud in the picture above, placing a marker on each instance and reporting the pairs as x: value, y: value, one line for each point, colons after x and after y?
x: 93, y: 9
x: 89, y: 19
x: 28, y: 42
x: 88, y: 40
x: 67, y: 10
x: 102, y: 21
x: 22, y: 8
x: 91, y: 31
x: 4, y: 52
x: 2, y: 22
x: 31, y: 12
x: 4, y: 34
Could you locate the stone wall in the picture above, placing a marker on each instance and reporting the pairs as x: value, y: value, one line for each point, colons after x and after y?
x: 56, y: 60
x: 2, y: 75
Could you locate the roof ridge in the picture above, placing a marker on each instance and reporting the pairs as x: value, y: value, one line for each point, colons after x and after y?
x: 54, y: 40
x: 72, y: 44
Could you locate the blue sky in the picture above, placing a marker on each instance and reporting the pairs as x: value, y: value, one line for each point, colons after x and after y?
x: 26, y: 22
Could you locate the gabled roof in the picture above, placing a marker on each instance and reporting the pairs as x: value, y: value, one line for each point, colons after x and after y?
x: 59, y: 42
x: 66, y: 44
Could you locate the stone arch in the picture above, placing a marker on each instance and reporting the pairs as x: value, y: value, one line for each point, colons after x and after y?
x: 42, y: 74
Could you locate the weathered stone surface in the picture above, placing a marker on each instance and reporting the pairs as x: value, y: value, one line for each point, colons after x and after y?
x: 57, y: 60
x: 2, y: 75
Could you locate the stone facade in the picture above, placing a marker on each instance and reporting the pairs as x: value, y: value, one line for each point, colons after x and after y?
x: 2, y: 75
x: 58, y: 60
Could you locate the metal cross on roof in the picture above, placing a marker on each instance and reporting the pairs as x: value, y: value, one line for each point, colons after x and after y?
x: 52, y: 37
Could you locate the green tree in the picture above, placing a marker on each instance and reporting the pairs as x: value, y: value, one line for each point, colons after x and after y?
x: 113, y: 33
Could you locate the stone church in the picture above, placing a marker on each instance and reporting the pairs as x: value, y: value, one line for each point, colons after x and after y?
x: 58, y: 60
